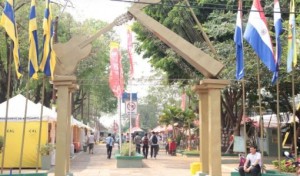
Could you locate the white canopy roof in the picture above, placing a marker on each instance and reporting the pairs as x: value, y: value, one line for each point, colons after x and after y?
x: 16, y: 110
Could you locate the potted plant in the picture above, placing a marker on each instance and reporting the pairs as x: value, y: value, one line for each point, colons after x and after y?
x: 45, y: 151
x: 126, y: 160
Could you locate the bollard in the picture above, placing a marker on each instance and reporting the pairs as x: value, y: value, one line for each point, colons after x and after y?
x: 195, y: 167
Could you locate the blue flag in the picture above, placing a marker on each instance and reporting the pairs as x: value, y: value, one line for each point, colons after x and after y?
x: 49, y: 59
x: 278, y: 31
x: 33, y: 43
x: 9, y: 24
x: 238, y: 39
x: 257, y: 35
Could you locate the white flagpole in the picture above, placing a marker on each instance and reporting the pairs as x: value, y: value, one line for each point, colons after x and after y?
x: 130, y: 116
x: 120, y: 128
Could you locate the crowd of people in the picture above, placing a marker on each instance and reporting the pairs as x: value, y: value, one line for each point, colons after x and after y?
x: 146, y: 144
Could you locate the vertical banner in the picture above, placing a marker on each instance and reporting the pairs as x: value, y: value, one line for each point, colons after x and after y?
x: 137, y: 121
x: 116, y: 72
x: 129, y: 50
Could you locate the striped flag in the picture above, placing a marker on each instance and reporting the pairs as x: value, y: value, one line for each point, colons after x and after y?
x: 257, y: 35
x: 278, y: 31
x: 292, y: 52
x: 49, y: 59
x: 238, y: 39
x: 9, y: 24
x: 116, y: 72
x: 33, y: 43
x: 129, y: 50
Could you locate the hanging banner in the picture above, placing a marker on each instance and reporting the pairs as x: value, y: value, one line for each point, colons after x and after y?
x: 130, y: 107
x: 129, y: 50
x: 116, y: 82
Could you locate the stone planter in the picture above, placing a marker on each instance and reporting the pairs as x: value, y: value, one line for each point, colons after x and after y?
x: 129, y: 161
x: 46, y: 162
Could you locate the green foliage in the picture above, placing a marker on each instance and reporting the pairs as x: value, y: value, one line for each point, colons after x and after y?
x: 285, y: 165
x: 126, y: 148
x: 46, y: 149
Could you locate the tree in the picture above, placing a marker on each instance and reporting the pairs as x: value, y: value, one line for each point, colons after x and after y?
x: 219, y: 24
x: 170, y: 115
x: 188, y: 117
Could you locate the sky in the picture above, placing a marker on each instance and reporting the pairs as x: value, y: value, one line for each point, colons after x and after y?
x: 107, y: 10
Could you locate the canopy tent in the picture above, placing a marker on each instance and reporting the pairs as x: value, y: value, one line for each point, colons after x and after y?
x: 135, y: 129
x: 16, y: 110
x: 14, y: 131
x: 162, y: 128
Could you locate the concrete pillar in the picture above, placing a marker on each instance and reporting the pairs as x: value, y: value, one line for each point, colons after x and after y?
x: 64, y: 85
x: 209, y: 91
x: 203, y: 119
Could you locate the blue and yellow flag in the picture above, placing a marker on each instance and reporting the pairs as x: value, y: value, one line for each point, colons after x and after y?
x: 292, y: 52
x: 33, y: 43
x: 9, y: 24
x: 48, y: 59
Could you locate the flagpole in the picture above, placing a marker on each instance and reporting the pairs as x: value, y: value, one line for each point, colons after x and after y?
x: 278, y: 127
x: 244, y: 117
x: 260, y: 112
x: 120, y: 132
x: 130, y: 121
x: 294, y: 118
x: 40, y: 126
x: 7, y: 104
x: 24, y: 126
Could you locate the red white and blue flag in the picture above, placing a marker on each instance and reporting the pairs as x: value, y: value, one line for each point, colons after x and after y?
x: 257, y: 35
x: 278, y: 31
x: 238, y: 40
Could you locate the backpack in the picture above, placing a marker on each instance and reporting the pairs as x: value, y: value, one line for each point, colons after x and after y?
x: 146, y: 141
x: 154, y: 140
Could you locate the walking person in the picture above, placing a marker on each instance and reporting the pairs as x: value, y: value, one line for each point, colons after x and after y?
x: 137, y: 141
x: 145, y: 141
x: 154, y: 145
x: 252, y: 164
x: 91, y: 142
x: 109, y: 144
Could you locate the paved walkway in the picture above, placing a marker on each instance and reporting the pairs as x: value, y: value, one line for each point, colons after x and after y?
x: 84, y: 164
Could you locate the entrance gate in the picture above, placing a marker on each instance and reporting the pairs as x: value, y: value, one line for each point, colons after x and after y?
x: 78, y: 48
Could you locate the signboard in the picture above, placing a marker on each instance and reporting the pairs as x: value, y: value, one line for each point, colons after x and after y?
x: 131, y: 107
x: 238, y: 145
x: 126, y: 97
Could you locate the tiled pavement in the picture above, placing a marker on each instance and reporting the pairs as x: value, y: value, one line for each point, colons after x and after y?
x: 84, y: 164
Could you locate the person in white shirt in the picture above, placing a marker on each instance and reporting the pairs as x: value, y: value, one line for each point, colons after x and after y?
x: 91, y: 142
x: 252, y: 164
x: 154, y: 145
x: 137, y: 141
x: 109, y: 144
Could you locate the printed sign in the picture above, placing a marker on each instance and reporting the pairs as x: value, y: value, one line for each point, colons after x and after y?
x: 131, y: 107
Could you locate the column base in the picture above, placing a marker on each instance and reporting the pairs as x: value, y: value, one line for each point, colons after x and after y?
x: 201, y: 174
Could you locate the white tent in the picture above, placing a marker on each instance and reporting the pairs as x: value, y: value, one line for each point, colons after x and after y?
x: 16, y: 110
